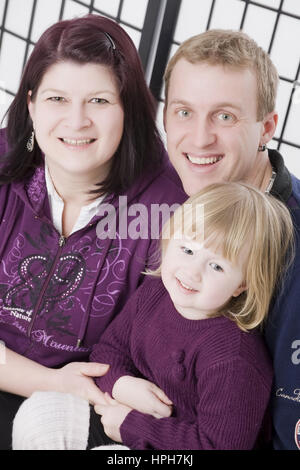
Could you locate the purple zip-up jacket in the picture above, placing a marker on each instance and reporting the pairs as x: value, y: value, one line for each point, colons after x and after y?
x: 58, y: 295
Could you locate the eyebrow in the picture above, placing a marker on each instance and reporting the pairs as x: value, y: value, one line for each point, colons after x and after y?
x: 227, y: 104
x: 64, y: 92
x: 182, y: 102
x: 222, y: 104
x: 61, y: 92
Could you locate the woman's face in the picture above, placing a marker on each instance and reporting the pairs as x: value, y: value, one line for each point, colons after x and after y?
x: 78, y: 119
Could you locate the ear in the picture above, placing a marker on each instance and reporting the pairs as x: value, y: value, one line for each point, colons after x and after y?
x: 269, y: 126
x: 164, y: 116
x: 240, y: 289
x: 30, y: 105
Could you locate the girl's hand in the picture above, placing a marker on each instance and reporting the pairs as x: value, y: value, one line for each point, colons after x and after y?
x: 143, y: 396
x: 77, y: 378
x: 113, y: 415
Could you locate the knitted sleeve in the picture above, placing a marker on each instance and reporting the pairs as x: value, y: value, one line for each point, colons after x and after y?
x: 233, y: 398
x: 114, y: 346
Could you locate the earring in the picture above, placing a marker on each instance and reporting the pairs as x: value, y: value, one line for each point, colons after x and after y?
x: 30, y: 143
x: 262, y: 148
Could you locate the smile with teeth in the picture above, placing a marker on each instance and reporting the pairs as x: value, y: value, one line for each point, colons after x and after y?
x: 185, y: 286
x: 77, y: 142
x: 203, y: 160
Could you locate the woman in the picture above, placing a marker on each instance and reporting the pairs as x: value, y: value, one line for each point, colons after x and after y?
x: 81, y: 133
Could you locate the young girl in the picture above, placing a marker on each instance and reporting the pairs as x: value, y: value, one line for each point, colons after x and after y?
x: 186, y: 348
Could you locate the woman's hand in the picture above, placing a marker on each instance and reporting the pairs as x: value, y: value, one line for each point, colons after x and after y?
x: 113, y: 415
x: 22, y: 376
x: 143, y: 396
x: 77, y: 378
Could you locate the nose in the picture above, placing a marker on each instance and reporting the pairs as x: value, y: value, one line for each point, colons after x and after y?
x: 193, y: 272
x: 77, y: 117
x: 202, y: 133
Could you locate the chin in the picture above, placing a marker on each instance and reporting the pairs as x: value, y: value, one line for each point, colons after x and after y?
x: 191, y: 190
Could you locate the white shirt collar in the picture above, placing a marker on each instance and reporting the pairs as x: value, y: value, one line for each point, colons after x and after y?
x: 57, y: 206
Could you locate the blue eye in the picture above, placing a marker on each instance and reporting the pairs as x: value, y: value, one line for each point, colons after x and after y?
x: 99, y: 100
x: 56, y: 99
x: 186, y: 250
x: 225, y: 117
x: 183, y: 113
x: 216, y: 267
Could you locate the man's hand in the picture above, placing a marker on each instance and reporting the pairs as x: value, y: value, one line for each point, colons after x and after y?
x: 113, y: 415
x: 143, y: 396
x: 77, y: 378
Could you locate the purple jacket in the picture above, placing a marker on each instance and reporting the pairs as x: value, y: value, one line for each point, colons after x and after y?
x: 58, y: 295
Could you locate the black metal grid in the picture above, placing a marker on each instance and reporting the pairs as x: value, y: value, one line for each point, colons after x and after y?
x: 163, y: 57
x: 165, y: 41
x: 146, y: 32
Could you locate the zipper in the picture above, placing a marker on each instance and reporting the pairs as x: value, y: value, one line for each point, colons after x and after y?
x: 61, y: 243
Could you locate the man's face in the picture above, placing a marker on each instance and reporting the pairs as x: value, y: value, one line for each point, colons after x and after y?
x: 211, y: 124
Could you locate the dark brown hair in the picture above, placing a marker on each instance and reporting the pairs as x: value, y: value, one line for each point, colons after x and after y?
x: 99, y: 40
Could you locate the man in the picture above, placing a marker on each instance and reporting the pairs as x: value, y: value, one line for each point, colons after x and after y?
x: 219, y: 115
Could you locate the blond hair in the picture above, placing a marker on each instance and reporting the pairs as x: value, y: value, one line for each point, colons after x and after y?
x: 232, y: 49
x: 238, y: 216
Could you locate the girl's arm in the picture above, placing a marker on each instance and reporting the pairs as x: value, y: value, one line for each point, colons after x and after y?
x: 233, y: 398
x: 114, y: 347
x: 142, y: 395
x: 23, y: 376
x: 123, y: 380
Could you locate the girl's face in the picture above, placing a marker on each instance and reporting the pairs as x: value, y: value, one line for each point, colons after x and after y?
x: 199, y: 281
x: 78, y: 119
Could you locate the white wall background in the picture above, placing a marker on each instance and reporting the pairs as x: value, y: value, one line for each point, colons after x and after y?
x: 259, y: 23
x: 285, y: 53
x: 17, y: 25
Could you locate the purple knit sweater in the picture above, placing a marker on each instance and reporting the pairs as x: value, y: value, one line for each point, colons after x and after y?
x: 218, y: 377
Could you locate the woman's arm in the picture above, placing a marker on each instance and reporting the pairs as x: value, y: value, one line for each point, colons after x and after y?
x: 22, y: 376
